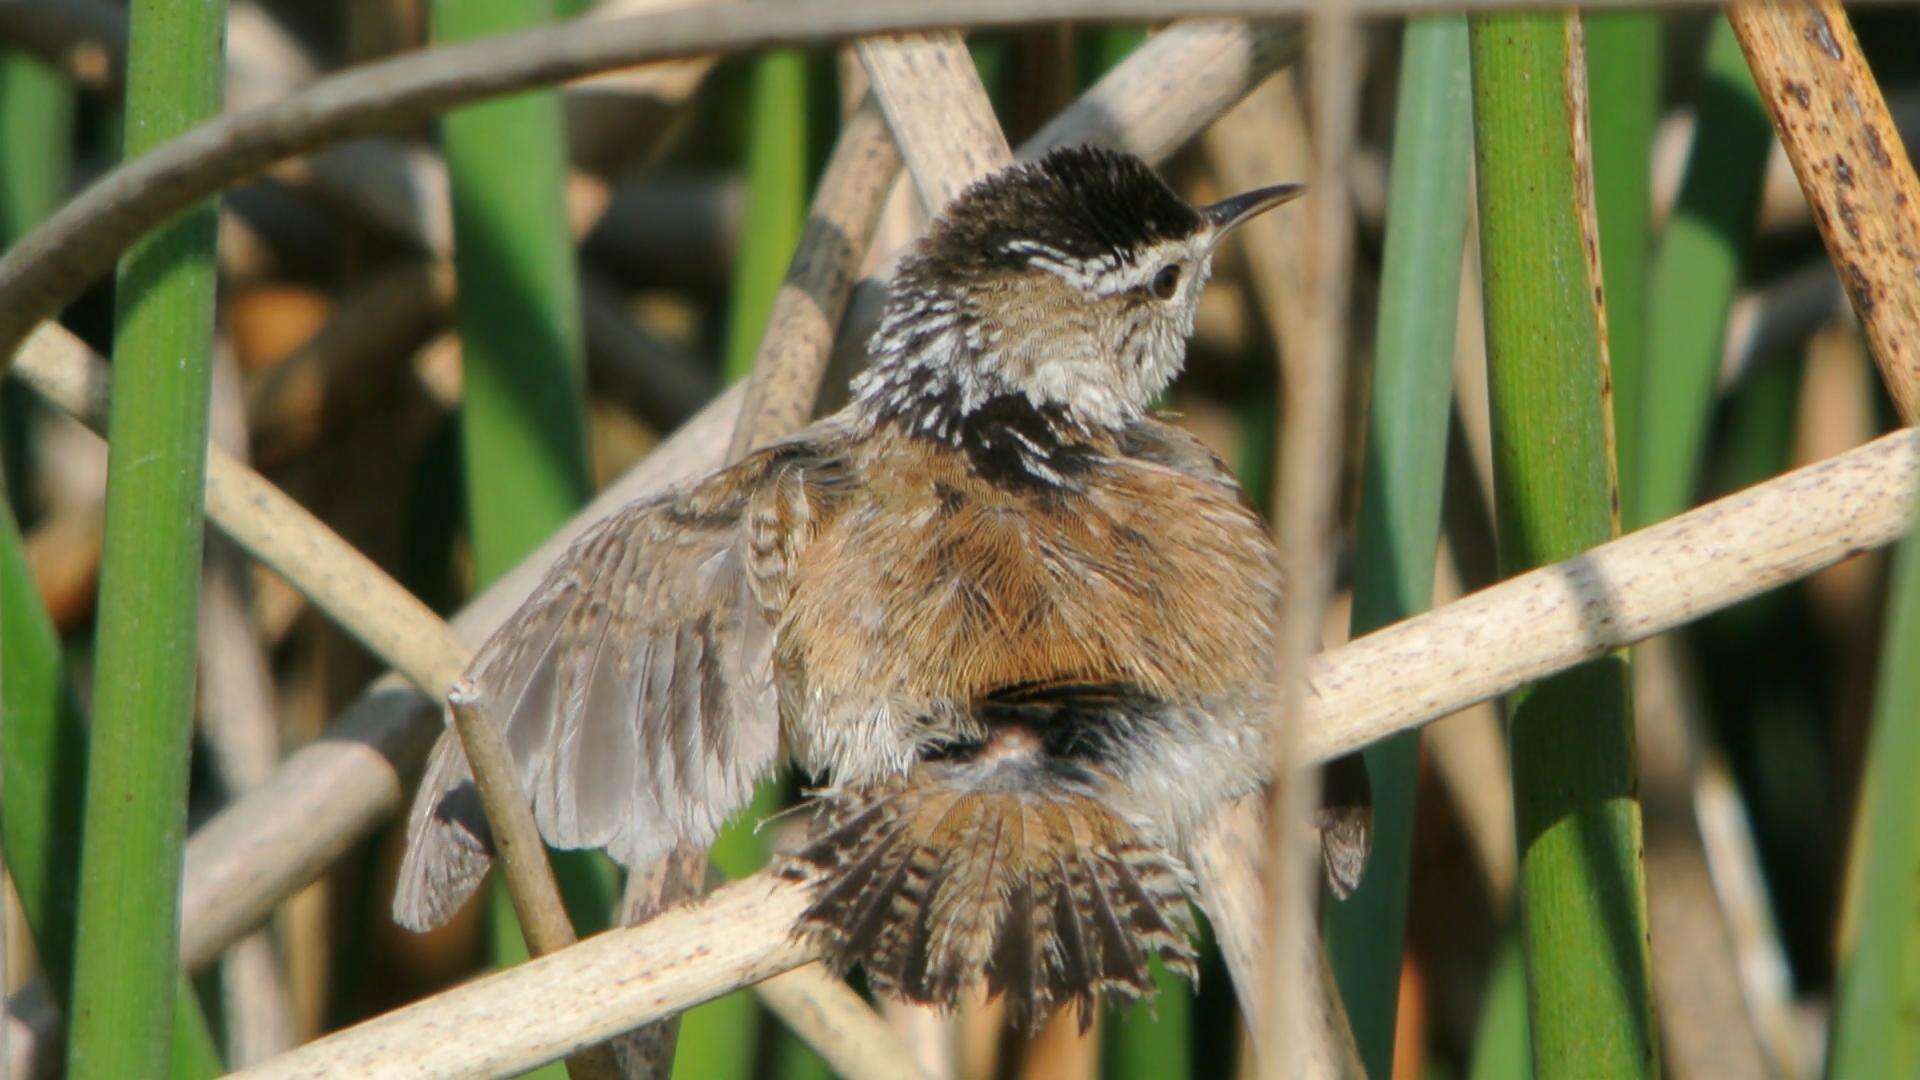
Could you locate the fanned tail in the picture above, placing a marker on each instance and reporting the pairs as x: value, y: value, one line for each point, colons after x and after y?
x: 1010, y: 869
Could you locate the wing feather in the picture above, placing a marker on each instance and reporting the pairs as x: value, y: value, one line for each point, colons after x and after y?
x: 636, y: 685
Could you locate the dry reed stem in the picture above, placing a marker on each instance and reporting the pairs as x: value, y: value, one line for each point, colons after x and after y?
x: 938, y: 111
x: 856, y: 1041
x: 792, y: 361
x: 611, y: 982
x: 1706, y: 1026
x: 237, y: 719
x: 1859, y: 181
x: 1305, y: 1028
x: 1227, y: 862
x: 1792, y: 1043
x: 330, y: 793
x: 521, y: 853
x: 932, y: 1035
x: 274, y: 528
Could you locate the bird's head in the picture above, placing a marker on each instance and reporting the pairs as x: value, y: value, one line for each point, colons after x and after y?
x: 1065, y: 286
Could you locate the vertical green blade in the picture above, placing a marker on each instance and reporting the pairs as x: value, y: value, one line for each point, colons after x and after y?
x: 1582, y: 892
x: 1405, y: 462
x: 1624, y: 56
x: 523, y: 417
x: 1876, y: 1027
x: 126, y: 976
x: 1695, y: 273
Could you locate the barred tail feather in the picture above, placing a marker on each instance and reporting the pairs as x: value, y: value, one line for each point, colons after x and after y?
x: 999, y: 870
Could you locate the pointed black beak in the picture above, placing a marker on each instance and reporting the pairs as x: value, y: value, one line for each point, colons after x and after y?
x: 1229, y: 214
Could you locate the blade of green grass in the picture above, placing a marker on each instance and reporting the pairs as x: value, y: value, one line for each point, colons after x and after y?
x: 776, y: 167
x: 42, y: 765
x: 1501, y: 1040
x: 43, y: 754
x: 721, y: 1039
x: 1404, y: 476
x: 36, y: 135
x: 1876, y: 1026
x: 36, y: 132
x: 523, y: 418
x: 42, y: 784
x: 1105, y: 46
x: 1695, y: 272
x: 1582, y: 892
x: 126, y: 945
x: 1150, y: 1039
x: 1623, y: 75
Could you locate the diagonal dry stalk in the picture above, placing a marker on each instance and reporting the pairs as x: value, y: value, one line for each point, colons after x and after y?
x: 938, y: 111
x: 1227, y: 861
x: 792, y: 360
x: 275, y: 529
x: 523, y: 857
x: 1706, y: 1024
x: 1469, y: 651
x: 1858, y: 179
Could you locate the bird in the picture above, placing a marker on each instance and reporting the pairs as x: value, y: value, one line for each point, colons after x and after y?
x: 1018, y: 628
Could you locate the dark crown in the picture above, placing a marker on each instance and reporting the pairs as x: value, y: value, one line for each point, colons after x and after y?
x: 1082, y: 202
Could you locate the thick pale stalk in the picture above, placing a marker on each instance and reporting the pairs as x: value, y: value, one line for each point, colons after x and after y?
x: 1301, y: 1040
x: 1582, y: 891
x: 126, y: 944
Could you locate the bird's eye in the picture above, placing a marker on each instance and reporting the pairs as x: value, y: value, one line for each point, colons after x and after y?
x: 1166, y: 282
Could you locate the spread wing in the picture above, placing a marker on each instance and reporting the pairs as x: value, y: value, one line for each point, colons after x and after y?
x: 635, y: 687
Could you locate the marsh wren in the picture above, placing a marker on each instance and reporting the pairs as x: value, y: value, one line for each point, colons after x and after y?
x: 1023, y: 631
